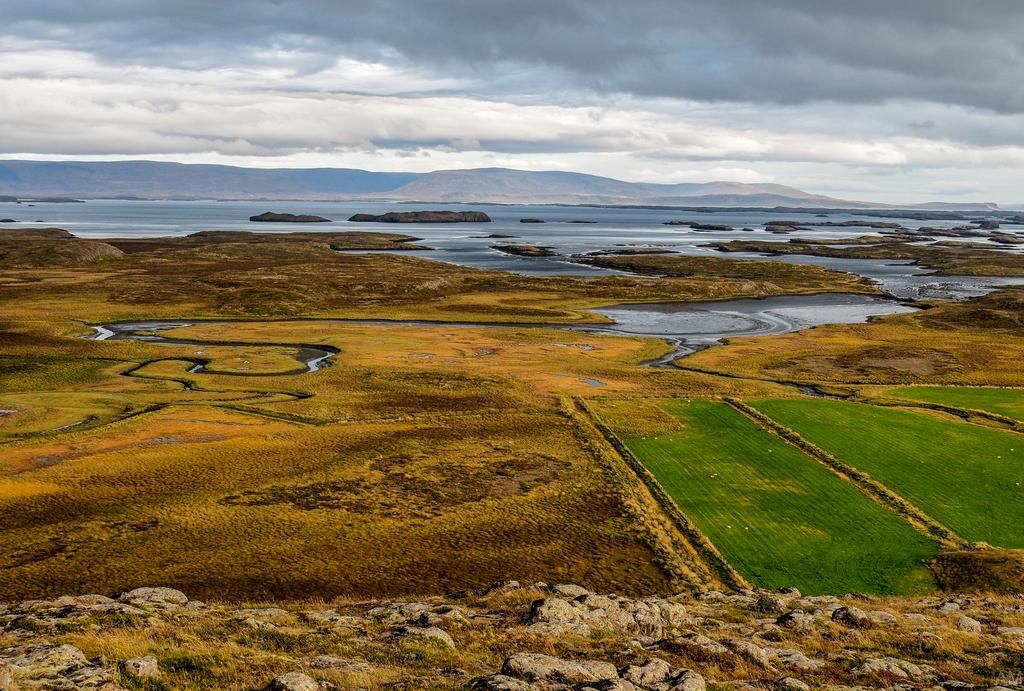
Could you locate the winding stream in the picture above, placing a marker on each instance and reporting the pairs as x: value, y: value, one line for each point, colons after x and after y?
x: 687, y: 326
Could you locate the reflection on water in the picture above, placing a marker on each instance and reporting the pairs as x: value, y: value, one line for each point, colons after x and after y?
x: 708, y: 322
x: 686, y: 325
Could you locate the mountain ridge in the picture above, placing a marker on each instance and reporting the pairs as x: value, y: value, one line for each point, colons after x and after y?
x: 169, y: 181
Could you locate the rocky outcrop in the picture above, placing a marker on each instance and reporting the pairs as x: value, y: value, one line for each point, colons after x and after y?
x: 423, y: 217
x: 517, y: 637
x: 44, y: 665
x: 272, y: 217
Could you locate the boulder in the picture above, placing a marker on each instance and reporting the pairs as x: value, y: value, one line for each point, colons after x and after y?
x: 883, y: 618
x: 892, y: 667
x: 1011, y: 632
x: 500, y: 682
x: 539, y: 667
x: 851, y: 616
x: 331, y: 662
x: 769, y: 604
x: 331, y: 617
x: 969, y: 624
x: 687, y: 680
x: 293, y: 681
x: 750, y: 652
x: 145, y: 667
x: 154, y: 597
x: 52, y: 666
x: 654, y: 671
x: 399, y: 612
x: 569, y: 590
x: 431, y: 633
x: 796, y: 619
x: 794, y: 659
x: 698, y: 647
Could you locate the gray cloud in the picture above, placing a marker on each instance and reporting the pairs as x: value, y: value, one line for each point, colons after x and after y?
x: 888, y: 99
x: 784, y: 51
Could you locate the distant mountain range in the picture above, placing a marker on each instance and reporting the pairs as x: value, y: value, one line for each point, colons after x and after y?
x: 158, y: 180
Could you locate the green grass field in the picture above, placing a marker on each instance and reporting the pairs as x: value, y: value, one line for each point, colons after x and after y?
x: 1008, y: 402
x: 781, y: 518
x: 970, y: 478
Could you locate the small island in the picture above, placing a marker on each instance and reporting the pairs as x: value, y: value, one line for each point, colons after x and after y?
x: 272, y: 217
x: 704, y: 227
x: 423, y: 217
x: 525, y: 250
x: 531, y: 220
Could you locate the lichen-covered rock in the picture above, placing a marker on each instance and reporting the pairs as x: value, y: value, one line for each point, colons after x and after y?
x: 331, y: 662
x: 654, y: 671
x: 154, y: 597
x: 430, y: 633
x: 569, y: 590
x: 1011, y: 632
x: 145, y: 667
x: 750, y: 652
x: 293, y: 681
x: 851, y: 616
x: 332, y: 618
x: 405, y: 612
x: 796, y: 619
x: 687, y: 680
x: 53, y: 666
x: 893, y: 667
x: 500, y: 682
x: 883, y: 618
x: 587, y: 613
x: 698, y: 647
x: 969, y: 624
x: 539, y: 667
x: 794, y: 659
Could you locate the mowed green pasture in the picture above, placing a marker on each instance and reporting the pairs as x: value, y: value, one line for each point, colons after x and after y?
x: 1008, y: 402
x: 780, y: 517
x: 969, y: 477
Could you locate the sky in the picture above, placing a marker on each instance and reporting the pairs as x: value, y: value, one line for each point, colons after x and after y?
x: 884, y: 100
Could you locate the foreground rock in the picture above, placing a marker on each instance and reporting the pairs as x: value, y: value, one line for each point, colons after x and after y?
x: 423, y: 217
x: 271, y: 217
x: 516, y: 637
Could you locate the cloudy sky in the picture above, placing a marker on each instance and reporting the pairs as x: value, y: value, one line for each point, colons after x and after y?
x: 889, y: 100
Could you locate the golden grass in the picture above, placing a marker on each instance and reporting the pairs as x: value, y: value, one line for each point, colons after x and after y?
x: 974, y: 343
x: 425, y: 459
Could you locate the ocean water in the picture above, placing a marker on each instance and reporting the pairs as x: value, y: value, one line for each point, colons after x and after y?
x: 467, y: 243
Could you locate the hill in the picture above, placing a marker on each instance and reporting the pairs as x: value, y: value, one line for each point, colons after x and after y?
x: 158, y: 180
